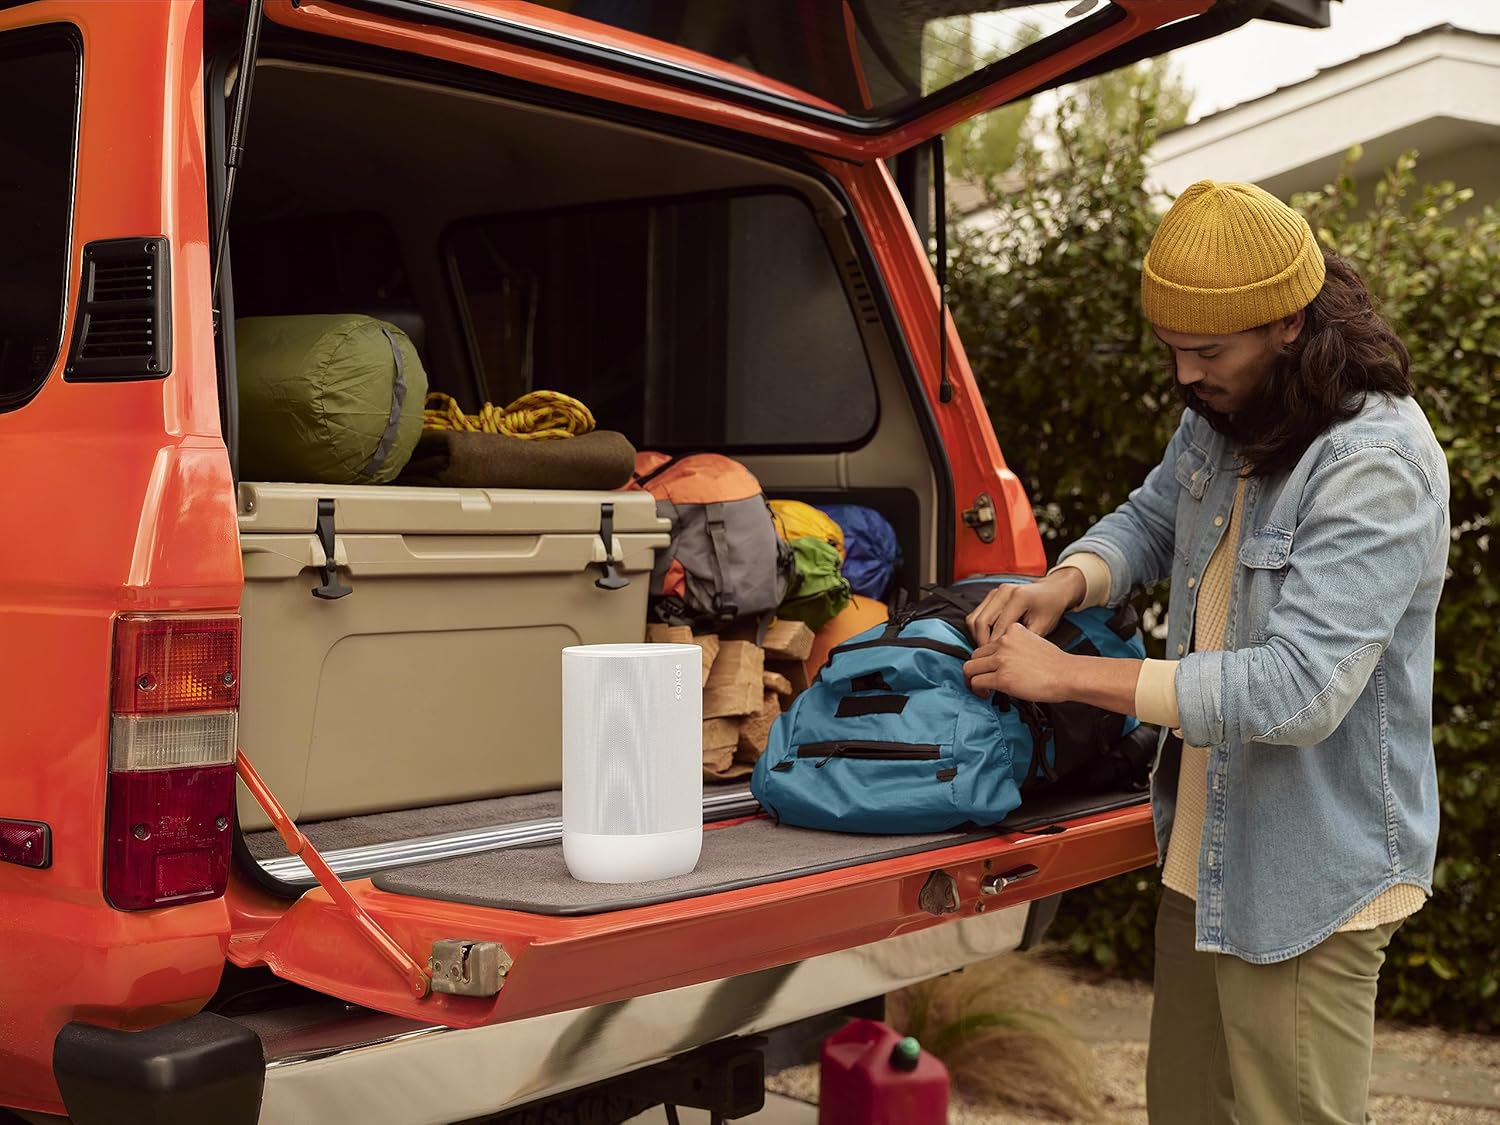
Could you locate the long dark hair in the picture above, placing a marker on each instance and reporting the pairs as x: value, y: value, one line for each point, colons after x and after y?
x: 1344, y: 351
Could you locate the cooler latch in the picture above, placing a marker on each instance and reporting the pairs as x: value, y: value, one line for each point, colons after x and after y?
x: 331, y: 588
x: 611, y: 579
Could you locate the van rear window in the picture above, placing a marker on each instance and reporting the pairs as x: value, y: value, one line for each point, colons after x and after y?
x: 717, y: 322
x: 39, y: 70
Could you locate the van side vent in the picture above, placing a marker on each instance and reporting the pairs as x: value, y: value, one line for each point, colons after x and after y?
x: 859, y: 291
x: 123, y: 330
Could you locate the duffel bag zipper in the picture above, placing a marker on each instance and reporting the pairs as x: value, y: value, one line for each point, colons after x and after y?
x: 868, y: 751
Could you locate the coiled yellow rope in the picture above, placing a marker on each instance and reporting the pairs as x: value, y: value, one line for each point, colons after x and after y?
x: 538, y: 416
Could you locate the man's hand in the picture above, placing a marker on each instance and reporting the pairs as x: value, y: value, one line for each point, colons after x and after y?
x: 1037, y: 605
x: 1023, y: 666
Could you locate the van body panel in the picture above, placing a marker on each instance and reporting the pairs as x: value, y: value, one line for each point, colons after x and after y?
x: 137, y: 515
x: 973, y: 453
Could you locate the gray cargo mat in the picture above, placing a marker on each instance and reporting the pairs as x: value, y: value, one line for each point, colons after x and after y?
x: 407, y: 824
x: 736, y: 856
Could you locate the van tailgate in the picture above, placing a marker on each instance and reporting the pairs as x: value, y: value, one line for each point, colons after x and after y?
x: 557, y: 962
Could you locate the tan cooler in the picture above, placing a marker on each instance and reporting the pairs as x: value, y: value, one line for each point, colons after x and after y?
x: 437, y: 676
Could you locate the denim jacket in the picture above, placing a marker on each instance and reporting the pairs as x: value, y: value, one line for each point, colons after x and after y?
x: 1322, y: 786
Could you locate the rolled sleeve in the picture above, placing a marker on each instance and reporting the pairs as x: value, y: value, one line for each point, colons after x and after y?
x: 1198, y: 691
x: 1156, y: 694
x: 1096, y: 578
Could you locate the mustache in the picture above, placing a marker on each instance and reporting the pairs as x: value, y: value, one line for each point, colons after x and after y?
x: 1241, y: 427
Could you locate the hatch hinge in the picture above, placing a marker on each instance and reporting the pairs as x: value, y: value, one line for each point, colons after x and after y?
x: 981, y: 517
x: 331, y: 588
x: 300, y: 846
x: 612, y: 578
x: 468, y: 968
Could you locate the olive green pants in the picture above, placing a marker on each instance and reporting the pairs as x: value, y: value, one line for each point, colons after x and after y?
x: 1250, y: 1044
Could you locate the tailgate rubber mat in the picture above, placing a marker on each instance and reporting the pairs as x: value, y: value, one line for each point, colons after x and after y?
x: 744, y: 854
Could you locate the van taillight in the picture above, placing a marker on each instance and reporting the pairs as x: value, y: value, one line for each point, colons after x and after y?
x: 173, y: 725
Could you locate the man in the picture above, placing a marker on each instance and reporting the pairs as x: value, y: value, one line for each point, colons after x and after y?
x: 1301, y: 512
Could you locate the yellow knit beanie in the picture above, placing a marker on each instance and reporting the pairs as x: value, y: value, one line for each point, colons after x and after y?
x: 1228, y: 257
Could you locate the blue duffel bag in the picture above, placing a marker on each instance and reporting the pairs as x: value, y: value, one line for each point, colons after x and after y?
x: 889, y: 738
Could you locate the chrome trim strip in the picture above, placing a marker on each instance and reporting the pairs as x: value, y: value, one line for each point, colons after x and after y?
x: 353, y: 863
x: 418, y: 1075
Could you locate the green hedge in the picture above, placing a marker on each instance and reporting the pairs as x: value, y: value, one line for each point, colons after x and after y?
x: 1047, y: 302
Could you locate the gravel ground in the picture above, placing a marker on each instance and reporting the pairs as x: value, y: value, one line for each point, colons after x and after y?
x: 1456, y: 1077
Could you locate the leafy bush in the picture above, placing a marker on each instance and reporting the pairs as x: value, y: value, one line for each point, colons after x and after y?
x: 1046, y: 297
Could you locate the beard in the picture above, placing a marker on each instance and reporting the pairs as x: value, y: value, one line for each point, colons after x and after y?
x: 1226, y: 424
x: 1243, y: 426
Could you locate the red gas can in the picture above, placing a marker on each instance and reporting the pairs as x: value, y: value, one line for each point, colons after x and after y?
x: 871, y: 1075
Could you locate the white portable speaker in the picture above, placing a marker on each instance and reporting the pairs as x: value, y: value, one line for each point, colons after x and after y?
x: 632, y: 734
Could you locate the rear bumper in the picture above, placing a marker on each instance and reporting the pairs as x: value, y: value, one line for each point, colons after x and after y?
x: 331, y: 1064
x: 201, y: 1069
x: 330, y: 1061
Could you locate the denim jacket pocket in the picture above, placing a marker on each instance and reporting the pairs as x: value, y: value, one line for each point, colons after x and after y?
x: 1194, y: 471
x: 1265, y: 552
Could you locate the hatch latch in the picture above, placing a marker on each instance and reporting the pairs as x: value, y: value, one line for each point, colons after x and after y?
x: 468, y: 968
x: 981, y: 517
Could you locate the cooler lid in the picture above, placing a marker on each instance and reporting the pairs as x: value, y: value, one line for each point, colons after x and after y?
x: 397, y: 510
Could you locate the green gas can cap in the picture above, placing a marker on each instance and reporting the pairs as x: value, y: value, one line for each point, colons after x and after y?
x: 906, y: 1054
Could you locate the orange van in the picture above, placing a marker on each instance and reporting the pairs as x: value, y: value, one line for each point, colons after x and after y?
x: 281, y: 757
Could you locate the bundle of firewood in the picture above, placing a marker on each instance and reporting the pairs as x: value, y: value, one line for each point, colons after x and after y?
x: 745, y: 686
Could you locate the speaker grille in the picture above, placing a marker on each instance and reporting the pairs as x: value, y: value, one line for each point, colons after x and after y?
x: 632, y: 742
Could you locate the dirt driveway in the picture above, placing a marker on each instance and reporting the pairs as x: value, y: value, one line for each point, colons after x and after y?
x: 1421, y: 1076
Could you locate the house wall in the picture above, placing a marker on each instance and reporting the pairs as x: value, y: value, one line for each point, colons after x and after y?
x: 1476, y: 166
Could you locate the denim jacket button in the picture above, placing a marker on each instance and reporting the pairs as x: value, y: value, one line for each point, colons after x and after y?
x: 1181, y: 649
x: 1192, y: 582
x: 1218, y: 521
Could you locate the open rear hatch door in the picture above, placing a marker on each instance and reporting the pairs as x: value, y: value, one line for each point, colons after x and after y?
x: 859, y: 79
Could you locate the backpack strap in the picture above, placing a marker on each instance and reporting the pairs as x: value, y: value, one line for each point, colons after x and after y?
x: 1041, y: 730
x: 1066, y: 634
x: 1124, y: 622
x: 904, y: 642
x: 718, y: 540
x: 643, y: 481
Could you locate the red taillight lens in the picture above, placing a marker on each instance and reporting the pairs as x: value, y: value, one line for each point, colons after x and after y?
x: 168, y: 836
x: 176, y: 700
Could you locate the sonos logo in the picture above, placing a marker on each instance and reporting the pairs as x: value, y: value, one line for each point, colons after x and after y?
x: 677, y: 680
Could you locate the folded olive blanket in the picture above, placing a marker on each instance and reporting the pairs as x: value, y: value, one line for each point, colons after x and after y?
x: 597, y: 461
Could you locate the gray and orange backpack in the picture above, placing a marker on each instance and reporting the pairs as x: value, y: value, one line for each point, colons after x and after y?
x: 726, y: 563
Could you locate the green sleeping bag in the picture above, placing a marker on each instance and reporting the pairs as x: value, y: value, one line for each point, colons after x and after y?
x: 327, y: 399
